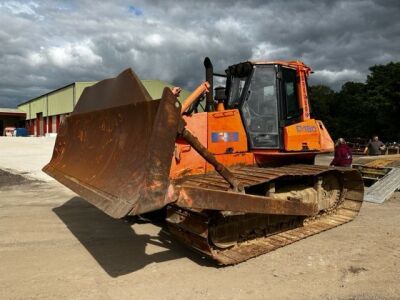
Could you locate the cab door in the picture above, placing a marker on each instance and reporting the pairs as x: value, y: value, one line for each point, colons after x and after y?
x: 290, y: 107
x: 259, y: 109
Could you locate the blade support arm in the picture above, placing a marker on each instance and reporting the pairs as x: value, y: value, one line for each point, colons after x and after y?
x: 202, y: 198
x: 235, y: 184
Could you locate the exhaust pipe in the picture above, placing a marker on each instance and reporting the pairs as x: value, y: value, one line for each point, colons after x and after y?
x: 209, y: 78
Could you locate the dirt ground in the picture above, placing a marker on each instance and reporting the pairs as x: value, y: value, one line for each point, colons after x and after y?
x: 54, y: 245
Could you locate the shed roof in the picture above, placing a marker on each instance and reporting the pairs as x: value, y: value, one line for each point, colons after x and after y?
x: 52, y: 91
x: 154, y: 87
x: 11, y: 112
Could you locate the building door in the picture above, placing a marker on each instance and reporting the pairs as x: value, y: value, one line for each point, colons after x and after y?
x: 39, y: 124
x: 31, y: 124
x: 50, y: 124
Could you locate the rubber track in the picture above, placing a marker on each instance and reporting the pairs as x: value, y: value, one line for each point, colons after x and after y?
x: 197, y: 237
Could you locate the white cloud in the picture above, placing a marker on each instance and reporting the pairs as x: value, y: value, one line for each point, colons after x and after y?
x: 36, y: 59
x: 341, y: 76
x: 154, y: 40
x: 68, y: 55
x: 267, y: 51
x: 228, y: 25
x: 17, y: 8
x: 72, y: 54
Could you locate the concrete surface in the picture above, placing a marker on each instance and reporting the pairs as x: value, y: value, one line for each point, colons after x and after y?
x: 54, y: 245
x: 26, y: 155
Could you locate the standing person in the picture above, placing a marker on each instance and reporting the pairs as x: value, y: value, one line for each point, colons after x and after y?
x: 343, y: 156
x: 374, y: 147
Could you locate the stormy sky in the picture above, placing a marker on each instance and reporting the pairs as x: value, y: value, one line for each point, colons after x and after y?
x: 48, y: 44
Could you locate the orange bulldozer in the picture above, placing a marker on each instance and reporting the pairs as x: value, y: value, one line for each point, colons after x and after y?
x: 235, y: 173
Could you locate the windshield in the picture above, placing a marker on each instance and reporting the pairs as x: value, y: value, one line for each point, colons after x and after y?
x: 236, y: 90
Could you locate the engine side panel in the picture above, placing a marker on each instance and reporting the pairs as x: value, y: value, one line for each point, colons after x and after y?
x: 309, y: 135
x: 226, y: 134
x: 186, y: 161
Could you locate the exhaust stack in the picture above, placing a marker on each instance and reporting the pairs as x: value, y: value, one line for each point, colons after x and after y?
x: 209, y: 78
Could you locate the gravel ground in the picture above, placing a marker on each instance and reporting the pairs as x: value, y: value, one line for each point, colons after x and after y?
x: 54, y: 245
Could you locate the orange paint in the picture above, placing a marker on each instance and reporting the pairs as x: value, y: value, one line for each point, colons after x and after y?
x: 223, y: 134
x: 310, y: 135
x: 186, y: 160
x: 327, y: 144
x: 226, y: 133
x: 201, y: 89
x: 303, y: 136
x: 229, y: 143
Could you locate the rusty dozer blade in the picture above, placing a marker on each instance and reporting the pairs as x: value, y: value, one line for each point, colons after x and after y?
x: 115, y: 148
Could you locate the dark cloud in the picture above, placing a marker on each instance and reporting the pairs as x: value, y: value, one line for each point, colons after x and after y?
x: 48, y: 44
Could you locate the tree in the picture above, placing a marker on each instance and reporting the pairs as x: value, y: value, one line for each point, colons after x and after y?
x: 362, y: 109
x: 321, y: 98
x: 383, y: 91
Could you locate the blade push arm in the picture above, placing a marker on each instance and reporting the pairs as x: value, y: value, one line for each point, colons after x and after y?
x: 210, y: 158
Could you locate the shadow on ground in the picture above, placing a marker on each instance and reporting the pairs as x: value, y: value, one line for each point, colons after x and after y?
x: 114, y: 243
x: 8, y: 179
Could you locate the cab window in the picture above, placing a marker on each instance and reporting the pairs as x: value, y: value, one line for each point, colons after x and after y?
x: 291, y: 102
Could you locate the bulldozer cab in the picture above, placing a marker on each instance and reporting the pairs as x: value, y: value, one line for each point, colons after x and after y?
x: 267, y: 97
